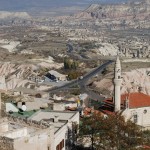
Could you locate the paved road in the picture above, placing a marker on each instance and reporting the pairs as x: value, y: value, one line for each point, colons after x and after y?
x: 81, y: 82
x: 94, y: 96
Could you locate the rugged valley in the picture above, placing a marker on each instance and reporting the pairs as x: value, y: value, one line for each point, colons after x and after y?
x: 97, y: 33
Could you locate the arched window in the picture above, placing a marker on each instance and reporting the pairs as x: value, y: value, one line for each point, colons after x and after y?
x: 135, y: 118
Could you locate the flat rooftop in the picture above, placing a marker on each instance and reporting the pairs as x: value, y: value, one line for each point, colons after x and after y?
x: 50, y: 116
x: 14, y: 130
x: 25, y: 114
x: 62, y: 115
x: 47, y: 116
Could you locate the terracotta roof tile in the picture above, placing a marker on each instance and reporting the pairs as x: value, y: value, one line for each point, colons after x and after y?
x: 108, y: 112
x: 146, y: 147
x: 88, y: 111
x: 136, y: 100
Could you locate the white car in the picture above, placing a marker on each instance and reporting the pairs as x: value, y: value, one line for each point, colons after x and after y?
x: 41, y: 81
x: 81, y: 77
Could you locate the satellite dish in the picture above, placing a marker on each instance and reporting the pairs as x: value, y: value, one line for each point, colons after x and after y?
x: 24, y: 108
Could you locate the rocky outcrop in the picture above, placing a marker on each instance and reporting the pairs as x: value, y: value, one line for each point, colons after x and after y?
x: 12, y: 15
x: 140, y: 10
x: 14, y: 75
x: 134, y: 81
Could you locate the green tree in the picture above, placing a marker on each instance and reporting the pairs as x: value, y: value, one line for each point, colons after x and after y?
x: 66, y: 63
x: 111, y: 132
x: 74, y: 65
x: 70, y: 64
x: 73, y: 75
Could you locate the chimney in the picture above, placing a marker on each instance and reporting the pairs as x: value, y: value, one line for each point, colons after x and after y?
x: 56, y: 118
x: 126, y: 103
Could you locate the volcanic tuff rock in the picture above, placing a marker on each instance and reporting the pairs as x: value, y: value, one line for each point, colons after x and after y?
x: 139, y: 10
x: 16, y: 75
x: 134, y: 81
x: 12, y: 15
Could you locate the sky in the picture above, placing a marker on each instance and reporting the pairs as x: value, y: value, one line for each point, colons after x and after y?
x: 28, y: 5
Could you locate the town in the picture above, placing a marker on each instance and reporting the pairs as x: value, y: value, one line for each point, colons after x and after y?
x: 76, y: 80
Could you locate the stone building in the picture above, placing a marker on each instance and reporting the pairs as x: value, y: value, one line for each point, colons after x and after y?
x: 2, y: 83
x: 54, y: 75
x: 62, y: 122
x: 43, y: 130
x: 133, y: 106
x: 22, y: 134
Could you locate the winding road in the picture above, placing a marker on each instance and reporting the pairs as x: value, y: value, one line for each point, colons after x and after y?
x: 81, y: 82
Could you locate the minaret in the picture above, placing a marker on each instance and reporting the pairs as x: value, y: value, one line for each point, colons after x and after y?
x: 117, y: 85
x: 0, y: 105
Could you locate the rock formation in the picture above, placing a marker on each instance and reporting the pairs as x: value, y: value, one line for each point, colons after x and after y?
x: 134, y: 81
x: 139, y: 11
x: 12, y: 15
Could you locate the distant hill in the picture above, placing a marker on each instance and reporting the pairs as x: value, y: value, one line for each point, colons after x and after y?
x: 126, y: 11
x: 13, y: 15
x: 28, y: 5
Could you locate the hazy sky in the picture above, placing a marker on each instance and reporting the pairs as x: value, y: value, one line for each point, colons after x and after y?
x: 19, y: 5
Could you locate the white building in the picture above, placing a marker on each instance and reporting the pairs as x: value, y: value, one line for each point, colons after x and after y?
x: 54, y: 75
x: 62, y: 122
x: 22, y: 134
x: 137, y: 108
x: 134, y: 106
x: 2, y: 83
x: 43, y: 130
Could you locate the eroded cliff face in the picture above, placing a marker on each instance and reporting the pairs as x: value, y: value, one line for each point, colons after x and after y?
x: 134, y: 81
x: 17, y: 75
x: 139, y: 10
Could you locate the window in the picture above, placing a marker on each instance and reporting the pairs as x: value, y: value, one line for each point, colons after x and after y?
x: 60, y: 145
x: 135, y: 118
x: 57, y: 147
x: 62, y: 142
x: 145, y: 111
x: 23, y: 103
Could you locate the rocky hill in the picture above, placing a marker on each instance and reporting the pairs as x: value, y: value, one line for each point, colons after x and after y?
x: 125, y: 14
x: 137, y: 80
x: 13, y: 15
x: 14, y: 75
x: 136, y: 10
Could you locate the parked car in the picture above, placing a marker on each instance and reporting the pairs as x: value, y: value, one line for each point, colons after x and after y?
x: 81, y: 77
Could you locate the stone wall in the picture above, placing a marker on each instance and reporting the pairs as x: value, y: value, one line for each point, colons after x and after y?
x: 27, y: 122
x: 4, y: 127
x: 6, y: 143
x: 36, y: 141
